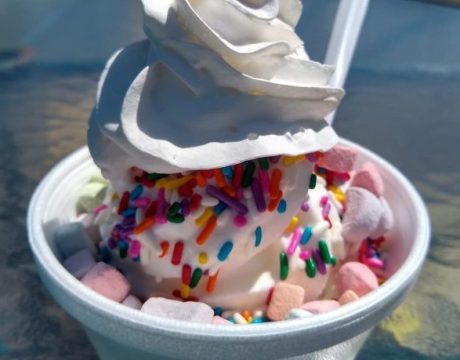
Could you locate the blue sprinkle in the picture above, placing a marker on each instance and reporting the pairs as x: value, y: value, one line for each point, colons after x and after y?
x: 218, y: 311
x: 105, y: 255
x: 258, y: 236
x: 228, y: 172
x: 129, y: 212
x: 219, y: 208
x: 306, y: 235
x: 225, y: 250
x: 232, y: 319
x: 260, y: 320
x: 136, y: 192
x: 123, y: 244
x: 282, y: 206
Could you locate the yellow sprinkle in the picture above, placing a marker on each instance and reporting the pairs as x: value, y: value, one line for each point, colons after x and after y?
x: 291, y: 160
x: 203, y: 258
x: 115, y: 196
x: 184, y: 291
x: 173, y: 184
x: 256, y: 92
x: 292, y: 225
x: 338, y: 193
x: 204, y: 217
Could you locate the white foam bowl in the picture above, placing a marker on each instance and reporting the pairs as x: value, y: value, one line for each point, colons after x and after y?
x: 119, y: 332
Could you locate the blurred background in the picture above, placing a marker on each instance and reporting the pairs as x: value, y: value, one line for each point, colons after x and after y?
x: 403, y: 102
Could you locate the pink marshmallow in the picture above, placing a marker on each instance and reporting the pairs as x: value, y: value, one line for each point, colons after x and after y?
x: 339, y: 159
x: 284, y: 298
x: 368, y: 177
x: 362, y: 215
x: 219, y: 320
x: 348, y: 297
x: 356, y: 277
x: 187, y: 311
x: 107, y: 281
x: 320, y: 306
x: 386, y: 221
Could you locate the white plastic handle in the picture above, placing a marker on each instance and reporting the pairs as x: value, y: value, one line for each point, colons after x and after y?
x: 347, y: 26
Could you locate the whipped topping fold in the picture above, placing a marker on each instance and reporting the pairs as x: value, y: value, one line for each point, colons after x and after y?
x: 217, y: 82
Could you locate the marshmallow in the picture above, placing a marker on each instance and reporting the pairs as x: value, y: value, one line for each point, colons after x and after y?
x: 348, y: 297
x: 91, y: 195
x: 297, y: 313
x: 132, y: 302
x: 79, y: 263
x: 219, y: 320
x: 71, y: 238
x: 188, y: 311
x: 368, y: 177
x: 356, y: 277
x: 107, y: 281
x: 339, y: 159
x: 284, y: 298
x: 386, y: 221
x: 320, y: 306
x: 362, y: 215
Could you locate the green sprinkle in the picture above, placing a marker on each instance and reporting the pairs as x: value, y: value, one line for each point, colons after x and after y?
x: 263, y: 162
x: 196, y: 276
x: 312, y: 184
x: 284, y: 266
x: 333, y: 261
x: 123, y: 252
x: 174, y: 208
x: 176, y: 218
x: 248, y: 174
x: 310, y: 268
x: 156, y: 176
x: 324, y: 252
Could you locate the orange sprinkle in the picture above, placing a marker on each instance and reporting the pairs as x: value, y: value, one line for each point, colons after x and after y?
x: 144, y: 225
x: 207, y: 230
x: 229, y: 190
x: 220, y: 179
x: 211, y: 285
x: 275, y: 183
x: 164, y: 247
x: 247, y: 315
x: 200, y: 179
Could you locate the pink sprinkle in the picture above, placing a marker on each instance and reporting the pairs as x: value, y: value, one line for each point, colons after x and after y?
x: 100, y: 208
x: 374, y: 263
x: 161, y: 200
x: 294, y: 241
x: 161, y: 219
x: 324, y: 200
x: 326, y: 209
x: 142, y: 202
x: 264, y: 180
x: 240, y: 220
x: 304, y: 254
x: 305, y: 206
x: 135, y: 249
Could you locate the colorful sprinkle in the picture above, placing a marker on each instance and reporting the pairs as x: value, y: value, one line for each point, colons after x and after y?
x: 320, y: 266
x: 200, y: 179
x: 258, y: 195
x: 174, y: 208
x: 156, y: 176
x: 324, y: 252
x: 225, y: 251
x: 220, y: 179
x: 175, y: 218
x: 177, y: 253
x: 184, y: 291
x: 196, y: 277
x: 138, y: 190
x: 273, y: 204
x: 284, y: 266
x: 195, y: 202
x: 310, y: 268
x: 185, y: 207
x: 207, y: 230
x: 212, y: 280
x: 240, y: 220
x: 304, y: 254
x: 144, y: 225
x: 258, y: 236
x: 282, y: 206
x: 292, y: 225
x: 164, y: 248
x: 134, y: 249
x: 291, y: 160
x: 248, y: 174
x: 173, y: 184
x: 305, y: 207
x: 186, y: 274
x: 295, y: 239
x: 231, y: 202
x: 123, y: 248
x: 203, y: 258
x: 306, y: 235
x: 275, y: 159
x: 264, y: 180
x: 129, y: 212
x: 123, y: 204
x: 151, y: 210
x: 312, y: 183
x: 204, y: 217
x: 99, y: 209
x: 228, y: 172
x: 141, y: 202
x: 237, y: 175
x: 275, y: 183
x: 219, y: 208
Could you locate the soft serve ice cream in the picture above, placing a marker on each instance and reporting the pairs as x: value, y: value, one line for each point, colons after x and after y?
x: 208, y: 133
